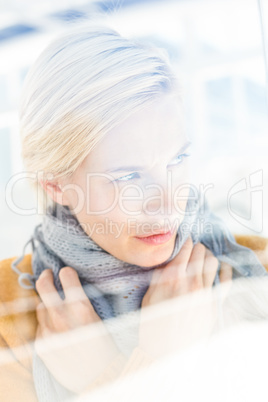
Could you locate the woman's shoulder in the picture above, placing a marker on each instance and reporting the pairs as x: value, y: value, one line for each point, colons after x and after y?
x: 252, y: 241
x: 9, y: 285
x: 258, y: 244
x: 17, y: 305
x: 18, y: 325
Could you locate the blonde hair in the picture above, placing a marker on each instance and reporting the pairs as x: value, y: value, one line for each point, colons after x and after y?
x: 82, y: 85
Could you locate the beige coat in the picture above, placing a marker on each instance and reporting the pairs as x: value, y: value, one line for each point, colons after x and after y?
x: 18, y: 328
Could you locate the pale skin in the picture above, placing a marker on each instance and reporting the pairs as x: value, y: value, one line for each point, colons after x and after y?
x: 143, y: 139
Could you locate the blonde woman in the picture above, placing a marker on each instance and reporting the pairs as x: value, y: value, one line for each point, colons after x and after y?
x: 102, y: 127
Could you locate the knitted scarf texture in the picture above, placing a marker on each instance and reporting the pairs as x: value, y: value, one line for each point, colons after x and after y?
x: 115, y: 287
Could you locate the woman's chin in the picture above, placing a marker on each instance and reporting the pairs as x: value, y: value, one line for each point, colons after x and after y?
x: 154, y: 261
x: 154, y: 255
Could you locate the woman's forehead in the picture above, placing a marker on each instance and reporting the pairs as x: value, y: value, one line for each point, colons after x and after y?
x: 152, y: 132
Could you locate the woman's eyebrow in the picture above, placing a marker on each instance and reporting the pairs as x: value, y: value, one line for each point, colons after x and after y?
x: 183, y: 148
x: 140, y: 168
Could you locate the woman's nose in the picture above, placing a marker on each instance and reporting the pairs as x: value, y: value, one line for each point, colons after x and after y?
x: 166, y: 193
x: 158, y: 195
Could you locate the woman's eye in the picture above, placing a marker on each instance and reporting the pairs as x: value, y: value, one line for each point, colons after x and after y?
x: 179, y: 159
x: 128, y: 177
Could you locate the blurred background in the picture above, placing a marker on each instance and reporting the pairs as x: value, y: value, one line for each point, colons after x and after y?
x: 218, y: 49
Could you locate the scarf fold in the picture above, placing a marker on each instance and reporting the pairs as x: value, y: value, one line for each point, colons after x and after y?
x: 115, y: 287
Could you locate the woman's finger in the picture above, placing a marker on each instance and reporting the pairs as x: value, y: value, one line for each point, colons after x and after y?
x: 79, y: 308
x: 71, y: 285
x: 196, y: 261
x: 226, y: 275
x: 52, y: 302
x: 42, y: 318
x: 171, y: 274
x: 176, y: 269
x: 210, y: 269
x: 44, y: 323
x: 226, y: 272
x: 46, y: 289
x: 194, y: 269
x: 41, y: 314
x: 38, y: 334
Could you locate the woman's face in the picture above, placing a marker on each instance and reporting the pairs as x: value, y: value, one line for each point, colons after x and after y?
x: 134, y: 184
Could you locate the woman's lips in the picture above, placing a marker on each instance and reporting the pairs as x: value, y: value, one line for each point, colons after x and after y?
x: 156, y: 238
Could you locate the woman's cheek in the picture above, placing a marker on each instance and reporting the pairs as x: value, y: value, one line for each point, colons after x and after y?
x: 130, y: 200
x: 101, y: 199
x: 180, y: 188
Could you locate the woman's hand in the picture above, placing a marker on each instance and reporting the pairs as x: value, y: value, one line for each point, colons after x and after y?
x: 194, y: 268
x: 76, y: 364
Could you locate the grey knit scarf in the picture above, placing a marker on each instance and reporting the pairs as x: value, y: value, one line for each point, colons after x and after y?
x: 115, y: 287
